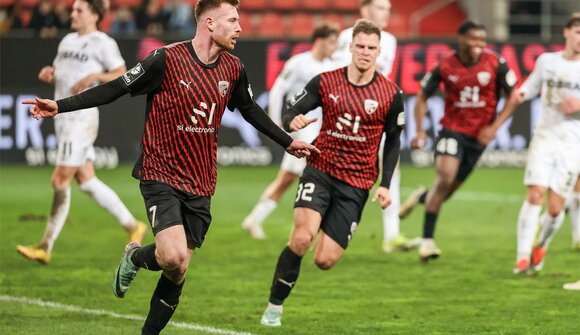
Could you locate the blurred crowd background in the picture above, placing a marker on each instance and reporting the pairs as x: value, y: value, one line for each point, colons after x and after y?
x: 295, y: 19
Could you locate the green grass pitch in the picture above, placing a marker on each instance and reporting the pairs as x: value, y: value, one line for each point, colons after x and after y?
x: 469, y: 290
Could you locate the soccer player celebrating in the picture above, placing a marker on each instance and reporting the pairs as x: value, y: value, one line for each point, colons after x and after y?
x: 297, y: 71
x: 554, y: 155
x: 84, y: 59
x: 473, y: 78
x: 188, y: 85
x: 358, y: 106
x: 379, y: 11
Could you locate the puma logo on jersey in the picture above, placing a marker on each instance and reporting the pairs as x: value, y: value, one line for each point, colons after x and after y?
x: 185, y: 84
x: 334, y: 97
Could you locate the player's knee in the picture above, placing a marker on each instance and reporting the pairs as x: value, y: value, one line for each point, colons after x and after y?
x: 173, y: 260
x: 554, y: 212
x: 535, y: 196
x: 555, y: 208
x: 300, y: 242
x: 324, y: 263
x: 58, y: 182
x: 443, y: 185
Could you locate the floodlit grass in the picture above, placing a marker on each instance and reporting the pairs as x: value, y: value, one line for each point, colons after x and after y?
x: 469, y: 290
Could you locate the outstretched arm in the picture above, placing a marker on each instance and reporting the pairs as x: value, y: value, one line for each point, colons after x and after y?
x: 260, y: 120
x: 145, y: 77
x: 96, y: 96
x: 255, y: 115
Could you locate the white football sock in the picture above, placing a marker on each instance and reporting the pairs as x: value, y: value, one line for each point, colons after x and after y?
x: 574, y: 212
x: 549, y: 226
x: 109, y: 200
x: 528, y: 221
x: 262, y: 210
x: 58, y: 215
x: 391, y: 214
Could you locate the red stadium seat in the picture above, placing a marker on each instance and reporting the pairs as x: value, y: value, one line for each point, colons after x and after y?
x: 301, y: 25
x: 289, y: 5
x: 346, y: 5
x: 247, y: 21
x: 316, y: 5
x: 271, y: 24
x: 336, y: 19
x: 254, y: 4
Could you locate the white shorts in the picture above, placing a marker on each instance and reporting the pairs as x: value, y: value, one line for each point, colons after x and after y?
x: 552, y: 165
x: 76, y: 133
x: 293, y: 164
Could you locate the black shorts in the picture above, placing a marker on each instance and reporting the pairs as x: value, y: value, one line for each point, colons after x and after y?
x: 167, y: 206
x: 464, y: 147
x: 340, y: 204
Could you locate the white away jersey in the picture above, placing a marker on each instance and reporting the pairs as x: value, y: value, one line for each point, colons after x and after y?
x: 343, y: 57
x: 297, y: 72
x: 81, y: 55
x: 557, y: 78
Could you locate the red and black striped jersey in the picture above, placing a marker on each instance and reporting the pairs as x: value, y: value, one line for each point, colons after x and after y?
x: 354, y: 119
x: 471, y: 92
x: 186, y: 100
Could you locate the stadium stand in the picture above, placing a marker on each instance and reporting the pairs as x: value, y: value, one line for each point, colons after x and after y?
x: 284, y: 5
x: 271, y: 25
x: 293, y: 18
x: 315, y: 5
x: 302, y: 25
x: 255, y: 4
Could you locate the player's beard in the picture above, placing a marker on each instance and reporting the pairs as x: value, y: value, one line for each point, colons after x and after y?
x: 226, y: 44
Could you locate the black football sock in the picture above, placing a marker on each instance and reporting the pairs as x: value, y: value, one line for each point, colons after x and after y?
x: 287, y: 271
x: 429, y: 224
x: 144, y: 257
x: 163, y: 304
x: 423, y: 197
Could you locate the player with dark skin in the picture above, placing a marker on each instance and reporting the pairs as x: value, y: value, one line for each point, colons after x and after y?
x: 475, y: 74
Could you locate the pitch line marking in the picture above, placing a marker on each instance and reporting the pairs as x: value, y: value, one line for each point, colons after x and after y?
x: 102, y: 312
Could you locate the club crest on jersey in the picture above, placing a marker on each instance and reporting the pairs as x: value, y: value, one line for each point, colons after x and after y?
x: 223, y: 86
x: 133, y: 74
x: 483, y: 77
x: 371, y: 106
